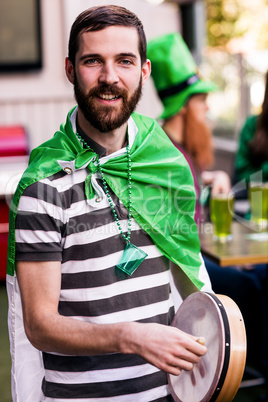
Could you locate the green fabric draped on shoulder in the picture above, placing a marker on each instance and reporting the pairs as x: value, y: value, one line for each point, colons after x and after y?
x: 163, y: 196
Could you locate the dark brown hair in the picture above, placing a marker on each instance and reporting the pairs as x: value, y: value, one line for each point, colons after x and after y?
x: 100, y: 17
x: 258, y: 146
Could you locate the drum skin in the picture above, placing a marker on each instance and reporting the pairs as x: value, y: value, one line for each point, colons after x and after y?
x: 218, y: 375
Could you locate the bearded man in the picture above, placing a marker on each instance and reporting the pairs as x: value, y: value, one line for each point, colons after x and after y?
x: 95, y: 228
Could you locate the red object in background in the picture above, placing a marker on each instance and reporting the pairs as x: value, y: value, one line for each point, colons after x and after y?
x: 4, y: 211
x: 13, y: 141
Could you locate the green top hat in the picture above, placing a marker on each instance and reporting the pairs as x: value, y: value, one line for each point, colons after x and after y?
x: 174, y: 73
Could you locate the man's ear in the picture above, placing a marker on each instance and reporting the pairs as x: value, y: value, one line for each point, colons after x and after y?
x: 146, y: 71
x: 69, y: 70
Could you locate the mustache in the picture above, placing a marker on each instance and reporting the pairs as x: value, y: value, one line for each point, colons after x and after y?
x: 111, y: 88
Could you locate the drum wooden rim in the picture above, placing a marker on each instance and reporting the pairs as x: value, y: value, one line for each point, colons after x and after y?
x: 238, y: 350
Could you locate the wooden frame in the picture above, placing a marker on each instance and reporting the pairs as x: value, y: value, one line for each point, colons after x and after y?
x: 20, y: 36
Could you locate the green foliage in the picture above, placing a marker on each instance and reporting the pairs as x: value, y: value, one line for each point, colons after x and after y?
x: 234, y: 19
x: 222, y: 21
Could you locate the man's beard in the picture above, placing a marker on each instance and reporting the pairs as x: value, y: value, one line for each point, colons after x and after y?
x: 106, y: 118
x: 197, y: 139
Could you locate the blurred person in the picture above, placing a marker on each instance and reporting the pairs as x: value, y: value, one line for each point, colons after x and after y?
x: 252, y: 155
x: 183, y: 94
x: 184, y: 97
x: 251, y: 164
x: 93, y: 237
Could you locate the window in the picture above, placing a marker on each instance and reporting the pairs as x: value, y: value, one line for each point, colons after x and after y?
x: 20, y: 35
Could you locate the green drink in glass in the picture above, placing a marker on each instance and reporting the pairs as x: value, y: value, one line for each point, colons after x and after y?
x: 258, y: 195
x: 221, y: 214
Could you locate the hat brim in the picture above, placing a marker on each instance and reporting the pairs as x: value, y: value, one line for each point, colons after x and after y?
x: 173, y: 104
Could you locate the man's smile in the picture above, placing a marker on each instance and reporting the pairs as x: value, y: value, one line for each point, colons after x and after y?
x: 108, y: 96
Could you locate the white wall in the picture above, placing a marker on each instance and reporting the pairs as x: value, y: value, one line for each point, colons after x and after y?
x: 40, y: 100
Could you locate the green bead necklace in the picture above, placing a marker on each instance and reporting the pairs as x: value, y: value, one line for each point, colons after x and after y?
x: 132, y: 255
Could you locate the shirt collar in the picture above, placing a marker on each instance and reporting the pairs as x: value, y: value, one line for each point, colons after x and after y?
x: 99, y: 149
x: 132, y: 132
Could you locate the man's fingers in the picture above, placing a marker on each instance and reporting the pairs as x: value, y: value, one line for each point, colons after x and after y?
x: 201, y: 340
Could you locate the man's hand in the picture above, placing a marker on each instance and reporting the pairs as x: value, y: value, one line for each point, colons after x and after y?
x: 219, y: 181
x: 167, y: 348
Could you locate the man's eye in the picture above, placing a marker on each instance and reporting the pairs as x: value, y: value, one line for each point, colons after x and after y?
x: 91, y: 61
x: 126, y: 62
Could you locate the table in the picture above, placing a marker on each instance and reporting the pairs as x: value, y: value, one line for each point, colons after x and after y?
x: 246, y: 247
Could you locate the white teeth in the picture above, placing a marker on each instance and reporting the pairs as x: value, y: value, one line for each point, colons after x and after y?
x: 108, y: 97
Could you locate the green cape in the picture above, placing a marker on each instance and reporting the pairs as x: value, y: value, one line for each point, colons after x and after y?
x: 163, y: 196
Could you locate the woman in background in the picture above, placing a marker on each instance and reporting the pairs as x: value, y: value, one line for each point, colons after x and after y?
x: 184, y: 119
x: 252, y: 155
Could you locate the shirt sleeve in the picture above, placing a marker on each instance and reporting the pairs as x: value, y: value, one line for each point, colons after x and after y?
x: 39, y: 224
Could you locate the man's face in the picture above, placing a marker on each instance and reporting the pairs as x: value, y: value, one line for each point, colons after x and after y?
x: 197, y: 105
x: 106, y: 118
x: 108, y: 76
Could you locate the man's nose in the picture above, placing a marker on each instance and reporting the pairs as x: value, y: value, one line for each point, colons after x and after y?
x: 206, y: 106
x: 108, y: 74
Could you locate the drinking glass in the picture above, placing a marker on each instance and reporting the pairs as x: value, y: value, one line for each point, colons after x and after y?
x: 221, y: 214
x: 258, y: 197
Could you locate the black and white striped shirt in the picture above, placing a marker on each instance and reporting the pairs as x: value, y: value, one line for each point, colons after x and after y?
x: 55, y: 221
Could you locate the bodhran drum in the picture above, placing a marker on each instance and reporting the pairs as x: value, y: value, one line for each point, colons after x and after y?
x: 219, y: 372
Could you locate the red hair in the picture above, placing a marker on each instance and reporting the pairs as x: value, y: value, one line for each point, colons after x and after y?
x: 197, y: 140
